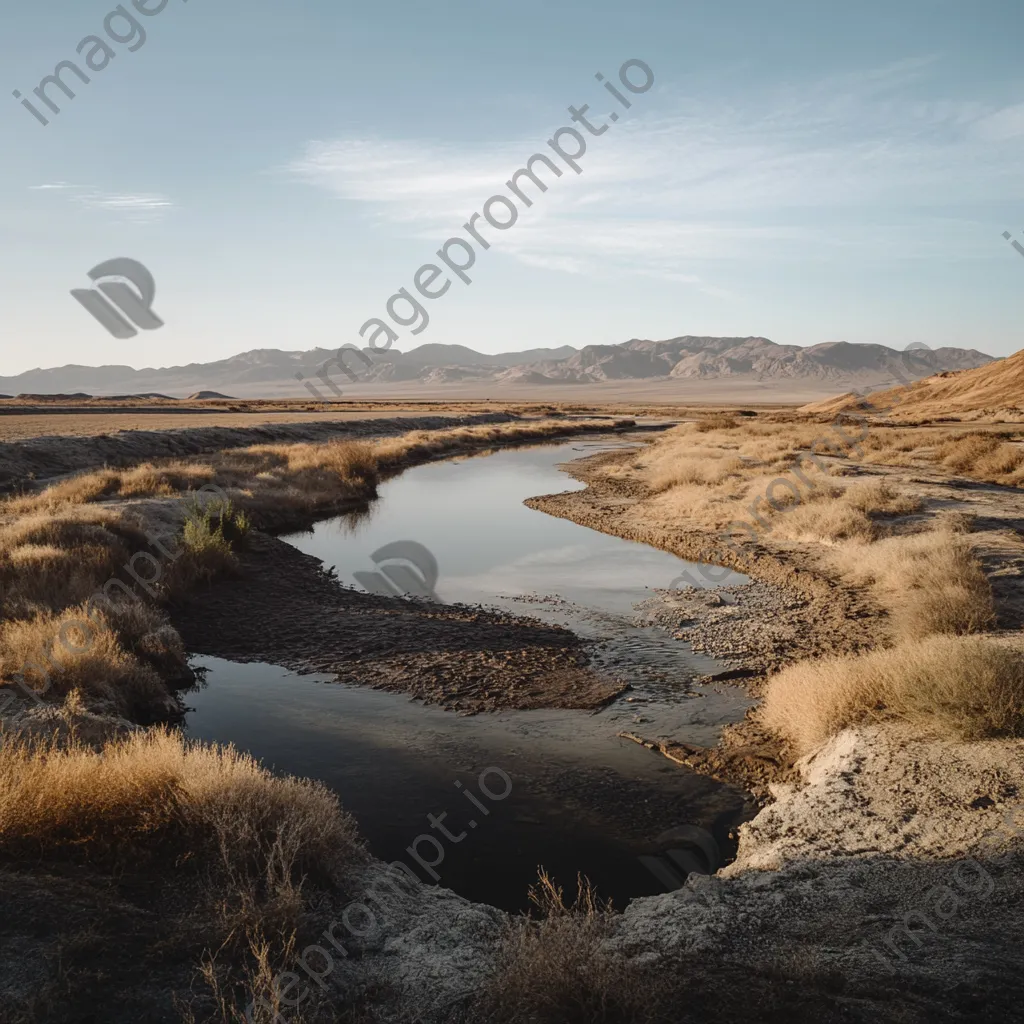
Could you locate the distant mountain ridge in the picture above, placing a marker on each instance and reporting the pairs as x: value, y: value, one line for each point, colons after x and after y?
x: 687, y: 357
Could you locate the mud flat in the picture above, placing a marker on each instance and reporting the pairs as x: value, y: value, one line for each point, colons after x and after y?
x: 284, y: 609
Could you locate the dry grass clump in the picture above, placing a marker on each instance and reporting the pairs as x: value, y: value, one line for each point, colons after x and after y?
x: 419, y: 445
x: 831, y: 513
x: 717, y: 421
x: 879, y: 497
x: 705, y: 469
x: 554, y: 971
x: 931, y: 582
x: 50, y: 562
x: 147, y: 481
x: 115, y: 657
x: 983, y: 456
x: 965, y: 688
x: 152, y: 795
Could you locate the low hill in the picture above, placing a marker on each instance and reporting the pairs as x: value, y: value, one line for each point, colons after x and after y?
x: 990, y: 390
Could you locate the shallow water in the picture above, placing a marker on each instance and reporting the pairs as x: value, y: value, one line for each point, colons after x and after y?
x: 581, y: 798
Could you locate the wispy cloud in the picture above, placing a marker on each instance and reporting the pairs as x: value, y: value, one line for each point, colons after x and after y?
x: 854, y: 161
x: 138, y: 207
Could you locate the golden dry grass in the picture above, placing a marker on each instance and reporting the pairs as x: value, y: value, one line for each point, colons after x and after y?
x: 989, y: 456
x: 554, y: 971
x: 115, y: 657
x: 48, y: 562
x: 831, y: 512
x: 964, y: 688
x: 152, y: 795
x: 712, y: 479
x: 983, y: 456
x: 716, y: 421
x: 279, y: 477
x: 931, y: 582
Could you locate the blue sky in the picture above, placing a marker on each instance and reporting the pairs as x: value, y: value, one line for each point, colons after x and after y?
x: 806, y: 171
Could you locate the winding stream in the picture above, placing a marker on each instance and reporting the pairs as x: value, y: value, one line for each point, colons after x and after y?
x: 582, y: 799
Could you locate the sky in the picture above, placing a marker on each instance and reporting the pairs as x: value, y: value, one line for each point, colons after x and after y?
x: 802, y: 171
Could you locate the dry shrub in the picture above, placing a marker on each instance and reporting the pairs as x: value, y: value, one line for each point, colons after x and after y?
x: 554, y: 971
x: 964, y: 688
x: 718, y: 421
x: 49, y: 562
x: 931, y: 582
x: 109, y: 659
x: 152, y: 795
x: 983, y: 456
x: 705, y: 469
x: 831, y: 513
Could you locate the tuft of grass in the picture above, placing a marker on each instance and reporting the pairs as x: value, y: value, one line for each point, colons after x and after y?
x: 984, y: 456
x: 152, y: 796
x: 931, y: 582
x: 965, y: 688
x: 717, y: 421
x: 48, y: 562
x: 554, y: 970
x: 110, y: 656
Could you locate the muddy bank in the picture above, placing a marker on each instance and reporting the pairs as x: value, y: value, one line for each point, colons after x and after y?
x: 283, y: 608
x: 794, y: 611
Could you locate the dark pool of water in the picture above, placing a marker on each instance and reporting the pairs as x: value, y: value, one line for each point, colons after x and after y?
x: 581, y: 799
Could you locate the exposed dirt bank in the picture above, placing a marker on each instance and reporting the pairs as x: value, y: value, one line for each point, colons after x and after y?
x: 39, y: 457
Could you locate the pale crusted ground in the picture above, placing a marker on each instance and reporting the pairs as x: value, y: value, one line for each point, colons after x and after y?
x: 889, y: 876
x: 880, y: 791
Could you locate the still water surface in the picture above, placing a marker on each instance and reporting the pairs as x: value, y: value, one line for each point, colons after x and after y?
x: 582, y: 800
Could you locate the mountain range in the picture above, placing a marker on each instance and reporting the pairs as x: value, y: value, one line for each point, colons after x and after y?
x: 839, y: 363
